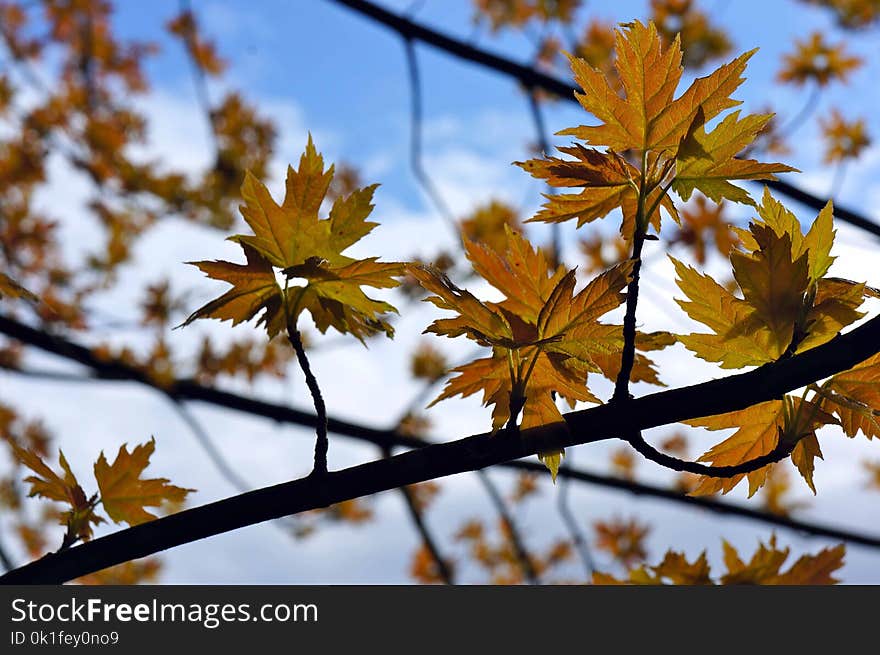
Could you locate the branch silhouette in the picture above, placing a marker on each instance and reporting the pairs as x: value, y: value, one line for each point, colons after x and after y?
x: 592, y: 425
x: 111, y: 370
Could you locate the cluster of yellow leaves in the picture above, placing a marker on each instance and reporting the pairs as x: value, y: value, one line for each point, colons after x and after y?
x: 816, y: 60
x: 788, y: 305
x: 843, y: 139
x: 665, y: 135
x: 293, y: 239
x: 764, y: 568
x: 545, y: 338
x: 123, y: 492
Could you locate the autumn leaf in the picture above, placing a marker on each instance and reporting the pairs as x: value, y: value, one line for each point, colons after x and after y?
x: 854, y: 397
x: 706, y: 161
x: 80, y: 515
x: 254, y: 291
x: 665, y: 134
x: 308, y: 250
x: 787, y: 303
x: 543, y: 335
x: 486, y: 224
x: 759, y: 429
x: 764, y: 568
x: 125, y: 494
x: 772, y: 285
x: 624, y: 540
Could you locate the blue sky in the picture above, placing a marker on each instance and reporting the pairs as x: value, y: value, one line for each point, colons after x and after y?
x: 315, y: 66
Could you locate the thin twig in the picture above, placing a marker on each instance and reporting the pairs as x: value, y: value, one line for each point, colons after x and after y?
x: 563, y: 504
x: 200, y: 82
x: 416, y: 121
x: 519, y: 548
x: 415, y: 514
x: 544, y: 145
x: 805, y: 112
x: 322, y: 442
x: 780, y: 451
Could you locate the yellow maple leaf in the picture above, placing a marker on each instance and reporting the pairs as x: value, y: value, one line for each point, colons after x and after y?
x: 124, y: 494
x: 654, y: 141
x: 787, y: 305
x: 706, y: 161
x: 80, y: 515
x: 254, y: 290
x: 854, y: 397
x: 308, y: 250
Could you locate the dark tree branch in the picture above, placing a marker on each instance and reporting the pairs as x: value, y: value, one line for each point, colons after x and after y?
x: 534, y: 79
x: 469, y: 454
x: 112, y: 370
x: 566, y: 472
x: 523, y: 558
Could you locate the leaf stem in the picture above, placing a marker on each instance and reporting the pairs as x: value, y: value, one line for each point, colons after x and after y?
x: 322, y: 442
